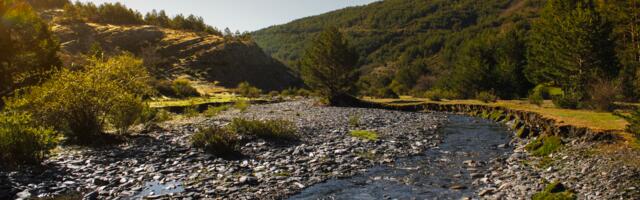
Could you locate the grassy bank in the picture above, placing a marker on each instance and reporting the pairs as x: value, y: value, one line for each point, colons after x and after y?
x: 579, y: 118
x: 194, y: 101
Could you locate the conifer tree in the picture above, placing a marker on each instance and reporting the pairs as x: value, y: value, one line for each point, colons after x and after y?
x: 329, y: 66
x: 570, y: 46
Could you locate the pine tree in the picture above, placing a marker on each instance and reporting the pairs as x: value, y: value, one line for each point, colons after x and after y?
x: 626, y: 16
x: 329, y: 66
x: 570, y: 46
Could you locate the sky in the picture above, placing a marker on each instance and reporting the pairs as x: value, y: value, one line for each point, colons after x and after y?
x: 242, y: 15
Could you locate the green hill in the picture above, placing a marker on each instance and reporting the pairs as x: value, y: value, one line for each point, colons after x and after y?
x: 406, y: 44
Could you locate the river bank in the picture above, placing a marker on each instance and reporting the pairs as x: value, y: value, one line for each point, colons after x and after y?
x: 592, y: 162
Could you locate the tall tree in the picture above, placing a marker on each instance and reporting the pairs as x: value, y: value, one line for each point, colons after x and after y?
x: 625, y: 14
x: 29, y: 50
x: 329, y: 66
x: 570, y: 46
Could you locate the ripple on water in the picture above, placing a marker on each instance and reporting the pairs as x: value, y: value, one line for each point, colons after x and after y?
x: 441, y: 173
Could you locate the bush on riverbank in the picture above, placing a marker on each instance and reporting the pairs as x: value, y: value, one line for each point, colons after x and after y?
x: 218, y: 141
x: 23, y: 142
x: 81, y: 104
x: 354, y: 120
x: 268, y: 130
x: 213, y: 111
x: 486, y: 97
x: 182, y: 88
x: 242, y: 105
x: 555, y: 191
x: 247, y: 90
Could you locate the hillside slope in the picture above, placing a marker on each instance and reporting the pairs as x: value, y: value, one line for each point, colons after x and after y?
x: 394, y: 35
x: 174, y: 53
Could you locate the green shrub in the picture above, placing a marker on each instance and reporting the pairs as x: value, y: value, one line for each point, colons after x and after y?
x: 269, y: 129
x: 213, y: 111
x: 81, y: 103
x: 23, y: 142
x: 566, y: 101
x: 386, y: 92
x: 191, y: 111
x: 153, y: 115
x: 246, y: 90
x: 274, y: 93
x: 354, y: 120
x: 364, y: 134
x: 182, y: 88
x: 288, y: 92
x: 486, y: 97
x: 536, y: 98
x: 125, y: 111
x: 164, y: 87
x: 218, y: 141
x: 242, y: 105
x: 603, y: 94
x: 537, y: 95
x: 544, y: 145
x: 554, y: 191
x: 303, y: 92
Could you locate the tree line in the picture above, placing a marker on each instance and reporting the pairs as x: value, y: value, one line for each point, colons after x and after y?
x: 117, y: 13
x: 461, y: 49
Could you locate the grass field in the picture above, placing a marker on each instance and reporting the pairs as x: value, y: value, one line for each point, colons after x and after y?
x: 580, y: 118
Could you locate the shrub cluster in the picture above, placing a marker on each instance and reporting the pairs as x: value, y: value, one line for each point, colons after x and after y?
x: 153, y: 115
x: 218, y: 141
x: 23, y: 142
x: 567, y: 101
x: 242, y: 105
x: 245, y: 89
x: 183, y: 88
x: 223, y: 141
x: 354, y: 120
x: 603, y: 94
x: 486, y: 97
x: 537, y: 94
x: 269, y: 129
x: 82, y: 103
x: 212, y: 111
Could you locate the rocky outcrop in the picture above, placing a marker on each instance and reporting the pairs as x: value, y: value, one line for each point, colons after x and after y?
x: 174, y: 53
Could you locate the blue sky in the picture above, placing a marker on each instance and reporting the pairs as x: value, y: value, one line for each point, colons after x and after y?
x: 243, y: 15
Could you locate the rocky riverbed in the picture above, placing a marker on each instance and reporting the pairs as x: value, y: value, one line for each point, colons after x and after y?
x: 582, y: 167
x: 159, y: 163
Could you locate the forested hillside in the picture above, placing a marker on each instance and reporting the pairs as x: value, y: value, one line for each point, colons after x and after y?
x: 461, y: 48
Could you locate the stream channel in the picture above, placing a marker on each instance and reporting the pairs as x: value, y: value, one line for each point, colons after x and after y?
x: 444, y: 172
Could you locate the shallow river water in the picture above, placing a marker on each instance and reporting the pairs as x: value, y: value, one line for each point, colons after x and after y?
x: 441, y: 173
